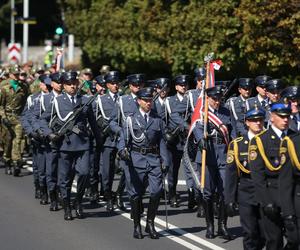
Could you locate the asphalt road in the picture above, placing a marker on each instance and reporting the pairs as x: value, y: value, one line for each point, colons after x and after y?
x: 25, y: 224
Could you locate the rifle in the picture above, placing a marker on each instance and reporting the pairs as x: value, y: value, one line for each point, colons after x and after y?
x: 232, y: 84
x: 157, y: 94
x: 69, y: 125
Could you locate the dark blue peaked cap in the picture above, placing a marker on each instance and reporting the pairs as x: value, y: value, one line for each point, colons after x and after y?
x: 100, y: 79
x: 162, y: 82
x: 56, y: 77
x: 145, y: 93
x: 262, y: 80
x: 182, y: 80
x: 69, y: 76
x: 282, y: 107
x: 136, y: 79
x: 274, y: 84
x: 200, y: 72
x: 291, y: 92
x: 112, y: 76
x: 255, y: 113
x: 45, y: 79
x: 246, y: 83
x: 216, y: 91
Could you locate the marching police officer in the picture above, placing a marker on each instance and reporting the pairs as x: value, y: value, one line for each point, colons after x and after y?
x: 74, y: 146
x: 177, y: 113
x: 264, y: 161
x: 194, y: 94
x: 237, y: 106
x: 289, y: 189
x: 105, y: 108
x: 162, y: 88
x: 219, y: 134
x: 142, y: 147
x: 239, y: 187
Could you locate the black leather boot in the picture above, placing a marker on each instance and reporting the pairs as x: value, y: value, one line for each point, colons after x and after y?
x: 94, y: 194
x: 119, y: 193
x: 200, y: 207
x: 173, y: 199
x: 222, y: 222
x: 37, y: 190
x: 44, y: 196
x: 191, y: 198
x: 152, y: 209
x: 136, y: 215
x: 67, y: 209
x: 209, y: 218
x: 53, y: 201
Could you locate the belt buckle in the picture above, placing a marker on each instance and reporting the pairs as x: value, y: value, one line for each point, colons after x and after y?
x: 143, y: 151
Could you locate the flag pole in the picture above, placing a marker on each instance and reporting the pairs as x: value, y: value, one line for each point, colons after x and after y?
x: 207, y: 59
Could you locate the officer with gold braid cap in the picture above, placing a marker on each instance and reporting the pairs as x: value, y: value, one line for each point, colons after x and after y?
x: 264, y: 161
x: 289, y: 188
x: 239, y: 187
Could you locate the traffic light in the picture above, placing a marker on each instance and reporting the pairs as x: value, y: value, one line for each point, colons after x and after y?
x: 58, y: 36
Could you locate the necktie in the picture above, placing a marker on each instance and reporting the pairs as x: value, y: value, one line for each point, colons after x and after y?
x: 146, y: 118
x: 73, y: 100
x: 283, y: 135
x: 263, y: 103
x: 115, y: 97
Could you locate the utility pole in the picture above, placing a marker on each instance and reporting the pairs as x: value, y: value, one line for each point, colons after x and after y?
x: 25, y: 30
x: 12, y: 21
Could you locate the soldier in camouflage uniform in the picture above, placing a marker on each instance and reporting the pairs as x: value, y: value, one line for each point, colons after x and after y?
x: 12, y: 101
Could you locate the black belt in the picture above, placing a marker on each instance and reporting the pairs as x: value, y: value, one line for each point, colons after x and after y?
x: 143, y: 151
x: 245, y: 175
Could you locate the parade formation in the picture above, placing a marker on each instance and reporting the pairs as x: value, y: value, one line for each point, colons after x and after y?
x: 239, y: 151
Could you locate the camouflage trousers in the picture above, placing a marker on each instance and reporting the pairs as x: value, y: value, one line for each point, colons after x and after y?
x: 13, y: 137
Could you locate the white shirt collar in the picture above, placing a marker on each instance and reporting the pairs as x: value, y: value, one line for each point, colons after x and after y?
x: 211, y: 109
x: 133, y: 95
x: 180, y: 97
x: 70, y: 97
x: 161, y: 101
x: 243, y: 99
x: 277, y: 131
x: 112, y: 95
x: 250, y: 135
x: 144, y: 113
x: 260, y: 99
x: 55, y: 93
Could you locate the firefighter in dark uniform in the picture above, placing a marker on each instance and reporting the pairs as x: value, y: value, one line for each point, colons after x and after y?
x: 239, y: 187
x: 292, y: 93
x: 289, y: 189
x: 264, y: 161
x: 142, y: 146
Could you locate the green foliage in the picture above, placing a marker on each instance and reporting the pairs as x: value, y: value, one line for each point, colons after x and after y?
x: 171, y: 37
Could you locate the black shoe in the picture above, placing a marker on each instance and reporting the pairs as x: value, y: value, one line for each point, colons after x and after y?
x: 16, y: 171
x: 78, y: 210
x: 67, y: 210
x: 174, y: 202
x: 150, y: 229
x: 8, y: 170
x: 37, y: 193
x: 110, y: 205
x: 191, y: 198
x: 120, y: 203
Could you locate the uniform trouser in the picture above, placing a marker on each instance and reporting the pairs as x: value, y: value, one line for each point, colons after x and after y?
x: 188, y: 176
x: 174, y: 169
x: 140, y: 178
x: 13, y: 140
x: 69, y: 164
x: 251, y: 223
x: 52, y: 156
x: 272, y: 231
x: 95, y: 164
x: 107, y: 170
x: 214, y: 181
x: 35, y: 165
x: 41, y: 161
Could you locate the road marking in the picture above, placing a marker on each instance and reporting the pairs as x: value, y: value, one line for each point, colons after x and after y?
x: 166, y: 234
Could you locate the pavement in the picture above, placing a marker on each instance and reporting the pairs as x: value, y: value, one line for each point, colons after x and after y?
x: 25, y: 224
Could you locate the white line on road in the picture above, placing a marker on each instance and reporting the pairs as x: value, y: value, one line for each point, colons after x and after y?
x: 166, y: 234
